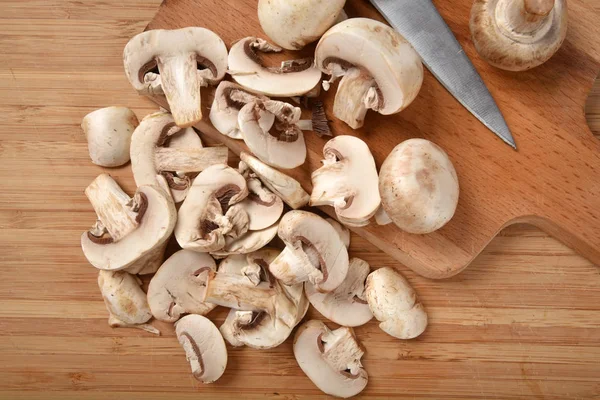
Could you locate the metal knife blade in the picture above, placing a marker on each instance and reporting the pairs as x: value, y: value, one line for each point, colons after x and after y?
x: 422, y: 25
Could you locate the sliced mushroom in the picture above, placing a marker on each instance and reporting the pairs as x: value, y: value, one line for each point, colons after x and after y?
x: 131, y: 233
x: 108, y: 133
x: 346, y: 305
x: 314, y: 252
x: 518, y: 35
x: 294, y: 25
x: 331, y: 359
x: 204, y: 347
x: 281, y: 147
x: 229, y: 100
x: 293, y: 78
x: 384, y: 76
x: 418, y: 186
x: 125, y: 300
x: 285, y: 187
x: 347, y: 181
x: 178, y: 286
x: 341, y: 230
x: 210, y: 212
x: 176, y: 63
x: 248, y: 242
x: 263, y: 207
x: 394, y: 303
x: 159, y: 155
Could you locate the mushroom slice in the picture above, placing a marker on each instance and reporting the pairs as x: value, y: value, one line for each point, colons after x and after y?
x: 341, y: 230
x: 314, y: 252
x: 125, y: 300
x: 187, y: 59
x: 229, y: 100
x: 346, y: 305
x: 130, y: 232
x: 210, y: 212
x: 294, y: 25
x: 385, y: 75
x: 108, y: 133
x: 293, y: 78
x: 282, y: 146
x: 159, y: 154
x: 517, y: 35
x: 178, y: 286
x: 204, y: 347
x: 248, y: 242
x: 285, y: 187
x: 418, y: 186
x: 394, y: 303
x: 331, y: 359
x: 347, y: 181
x: 263, y: 207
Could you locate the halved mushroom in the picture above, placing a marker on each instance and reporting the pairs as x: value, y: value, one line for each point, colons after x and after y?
x: 108, y: 133
x: 125, y: 301
x: 418, y: 186
x: 293, y: 78
x: 210, y: 212
x: 159, y: 155
x: 394, y: 303
x: 176, y: 63
x: 346, y: 305
x: 347, y: 181
x: 314, y: 252
x: 229, y: 100
x: 380, y: 69
x: 204, y: 347
x: 331, y: 359
x: 248, y: 242
x: 131, y: 233
x: 341, y: 230
x: 294, y: 25
x: 285, y: 187
x: 517, y: 35
x: 178, y: 286
x: 283, y: 145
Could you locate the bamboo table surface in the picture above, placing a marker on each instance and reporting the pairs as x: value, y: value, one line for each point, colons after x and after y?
x: 523, y: 321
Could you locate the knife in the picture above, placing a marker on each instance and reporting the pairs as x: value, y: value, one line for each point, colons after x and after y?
x: 423, y: 26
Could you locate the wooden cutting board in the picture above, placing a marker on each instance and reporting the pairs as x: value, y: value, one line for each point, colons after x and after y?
x: 551, y: 181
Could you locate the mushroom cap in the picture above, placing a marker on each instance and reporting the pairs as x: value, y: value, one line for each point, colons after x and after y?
x: 251, y: 74
x: 348, y: 181
x: 293, y: 25
x: 153, y: 231
x: 314, y: 252
x: 233, y: 264
x: 108, y: 132
x: 341, y: 230
x: 204, y: 347
x: 384, y: 54
x: 393, y: 302
x: 325, y: 363
x: 263, y: 207
x: 503, y: 46
x: 418, y: 186
x: 123, y: 297
x: 225, y: 109
x: 177, y: 288
x: 205, y: 217
x: 346, y: 305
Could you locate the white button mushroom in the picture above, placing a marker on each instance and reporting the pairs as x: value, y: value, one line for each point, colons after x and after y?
x: 264, y: 208
x: 248, y: 242
x: 341, y: 230
x: 380, y: 69
x: 418, y: 186
x: 517, y: 35
x: 331, y: 359
x: 204, y: 347
x: 294, y: 24
x: 108, y: 132
x: 394, y: 303
x: 347, y: 181
x: 176, y: 63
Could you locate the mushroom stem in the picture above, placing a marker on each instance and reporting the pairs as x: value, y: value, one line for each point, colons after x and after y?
x: 356, y: 94
x: 112, y: 206
x: 181, y: 85
x: 295, y: 266
x: 524, y: 20
x: 189, y: 160
x: 341, y: 350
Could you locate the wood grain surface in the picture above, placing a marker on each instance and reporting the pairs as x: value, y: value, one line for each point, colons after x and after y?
x: 550, y: 182
x: 522, y: 322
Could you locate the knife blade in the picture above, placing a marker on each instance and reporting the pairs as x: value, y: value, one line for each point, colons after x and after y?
x: 425, y: 29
